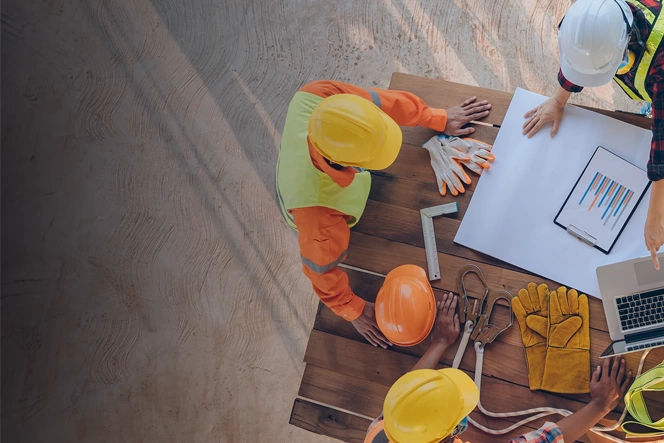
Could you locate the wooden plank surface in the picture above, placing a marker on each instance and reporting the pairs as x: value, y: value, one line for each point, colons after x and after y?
x: 345, y: 372
x: 328, y: 421
x: 440, y: 93
x: 337, y: 374
x: 404, y: 225
x: 362, y: 254
x: 355, y: 394
x: 508, y: 343
x: 444, y: 94
x: 627, y: 117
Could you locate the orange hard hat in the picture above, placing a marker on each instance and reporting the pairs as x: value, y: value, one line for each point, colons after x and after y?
x: 406, y: 306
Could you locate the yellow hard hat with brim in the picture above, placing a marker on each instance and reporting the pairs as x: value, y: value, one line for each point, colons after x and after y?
x: 425, y: 406
x: 351, y: 131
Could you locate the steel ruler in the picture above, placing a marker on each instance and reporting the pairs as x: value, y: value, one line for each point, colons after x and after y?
x: 427, y: 215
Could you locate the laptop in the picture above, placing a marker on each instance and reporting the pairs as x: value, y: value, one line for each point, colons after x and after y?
x: 633, y: 296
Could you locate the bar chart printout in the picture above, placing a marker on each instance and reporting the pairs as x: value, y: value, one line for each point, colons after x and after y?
x: 604, y: 198
x: 607, y: 199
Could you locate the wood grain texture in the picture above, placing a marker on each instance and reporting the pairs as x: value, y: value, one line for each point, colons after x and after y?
x: 339, y: 372
x: 362, y: 254
x: 452, y: 94
x: 356, y: 394
x: 508, y: 343
x: 405, y: 226
x: 328, y: 421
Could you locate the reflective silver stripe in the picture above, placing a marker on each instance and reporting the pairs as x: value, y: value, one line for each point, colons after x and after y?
x: 323, y: 269
x: 375, y: 98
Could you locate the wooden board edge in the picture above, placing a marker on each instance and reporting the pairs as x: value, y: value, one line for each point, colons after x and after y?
x: 324, y: 420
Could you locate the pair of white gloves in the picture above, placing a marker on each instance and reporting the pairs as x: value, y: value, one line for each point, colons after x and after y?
x: 447, y: 156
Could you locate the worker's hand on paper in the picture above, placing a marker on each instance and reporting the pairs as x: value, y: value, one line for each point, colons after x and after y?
x: 461, y: 115
x: 549, y: 111
x: 447, y: 328
x: 609, y: 383
x: 367, y: 326
x: 654, y: 231
x: 447, y: 156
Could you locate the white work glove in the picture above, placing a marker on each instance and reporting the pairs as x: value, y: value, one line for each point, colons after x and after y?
x: 447, y: 156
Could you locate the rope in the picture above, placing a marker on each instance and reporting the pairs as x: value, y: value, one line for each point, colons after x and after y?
x: 538, y: 412
x: 464, y: 343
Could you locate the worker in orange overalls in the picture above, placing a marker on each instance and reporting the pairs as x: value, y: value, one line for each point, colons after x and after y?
x: 333, y: 133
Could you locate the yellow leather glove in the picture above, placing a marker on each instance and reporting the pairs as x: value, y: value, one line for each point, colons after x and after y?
x: 531, y: 309
x: 567, y: 367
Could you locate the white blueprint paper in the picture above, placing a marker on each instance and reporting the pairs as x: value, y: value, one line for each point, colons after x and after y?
x: 511, y: 213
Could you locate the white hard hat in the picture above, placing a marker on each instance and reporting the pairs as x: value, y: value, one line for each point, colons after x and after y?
x: 592, y: 40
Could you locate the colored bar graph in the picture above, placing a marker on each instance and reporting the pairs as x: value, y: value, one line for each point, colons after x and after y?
x: 598, y: 192
x: 614, y: 202
x: 590, y: 186
x: 609, y: 195
x: 612, y: 185
x: 624, y: 206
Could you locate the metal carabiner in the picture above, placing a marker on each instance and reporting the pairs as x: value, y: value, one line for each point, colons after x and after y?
x: 470, y: 311
x: 486, y: 332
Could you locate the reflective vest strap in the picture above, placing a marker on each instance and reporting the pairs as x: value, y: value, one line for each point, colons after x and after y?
x: 652, y: 45
x: 627, y: 89
x: 652, y: 381
x: 646, y: 12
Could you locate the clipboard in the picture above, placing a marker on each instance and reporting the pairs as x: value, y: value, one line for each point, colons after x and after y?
x: 603, y: 200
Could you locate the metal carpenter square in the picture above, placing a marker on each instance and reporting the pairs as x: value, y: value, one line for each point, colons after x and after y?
x: 427, y: 215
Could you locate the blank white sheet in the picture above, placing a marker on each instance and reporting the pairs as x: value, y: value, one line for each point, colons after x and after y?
x: 510, y: 216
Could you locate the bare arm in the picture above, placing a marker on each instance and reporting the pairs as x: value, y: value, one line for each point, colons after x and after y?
x: 607, y: 386
x: 654, y: 229
x: 445, y: 332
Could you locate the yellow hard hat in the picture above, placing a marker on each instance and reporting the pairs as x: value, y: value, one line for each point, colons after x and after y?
x: 425, y: 406
x: 351, y: 131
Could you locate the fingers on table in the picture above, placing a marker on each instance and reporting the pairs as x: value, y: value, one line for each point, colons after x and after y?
x: 377, y: 338
x: 468, y: 102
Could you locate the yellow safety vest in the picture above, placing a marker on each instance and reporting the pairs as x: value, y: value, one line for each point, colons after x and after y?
x: 299, y: 183
x: 639, y: 92
x: 649, y: 381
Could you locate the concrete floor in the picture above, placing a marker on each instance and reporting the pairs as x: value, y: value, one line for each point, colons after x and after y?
x: 150, y: 289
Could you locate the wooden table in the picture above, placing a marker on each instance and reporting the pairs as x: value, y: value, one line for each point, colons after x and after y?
x: 346, y: 379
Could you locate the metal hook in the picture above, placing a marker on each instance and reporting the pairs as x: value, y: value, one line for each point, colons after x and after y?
x: 470, y: 311
x: 486, y: 332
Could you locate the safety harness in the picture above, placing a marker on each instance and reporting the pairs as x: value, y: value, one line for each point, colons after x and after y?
x: 651, y: 47
x: 476, y: 314
x: 649, y: 381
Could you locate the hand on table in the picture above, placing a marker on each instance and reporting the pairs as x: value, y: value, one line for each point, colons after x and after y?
x: 367, y: 326
x: 447, y: 328
x: 461, y: 115
x: 609, y: 383
x: 549, y: 111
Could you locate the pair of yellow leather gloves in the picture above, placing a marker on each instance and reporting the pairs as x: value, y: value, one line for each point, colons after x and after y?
x: 555, y: 330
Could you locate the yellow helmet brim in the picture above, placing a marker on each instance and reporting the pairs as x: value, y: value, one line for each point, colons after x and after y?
x: 390, y: 150
x: 467, y: 387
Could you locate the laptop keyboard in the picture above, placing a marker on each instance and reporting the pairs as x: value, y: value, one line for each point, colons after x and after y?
x: 639, y: 310
x: 644, y: 346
